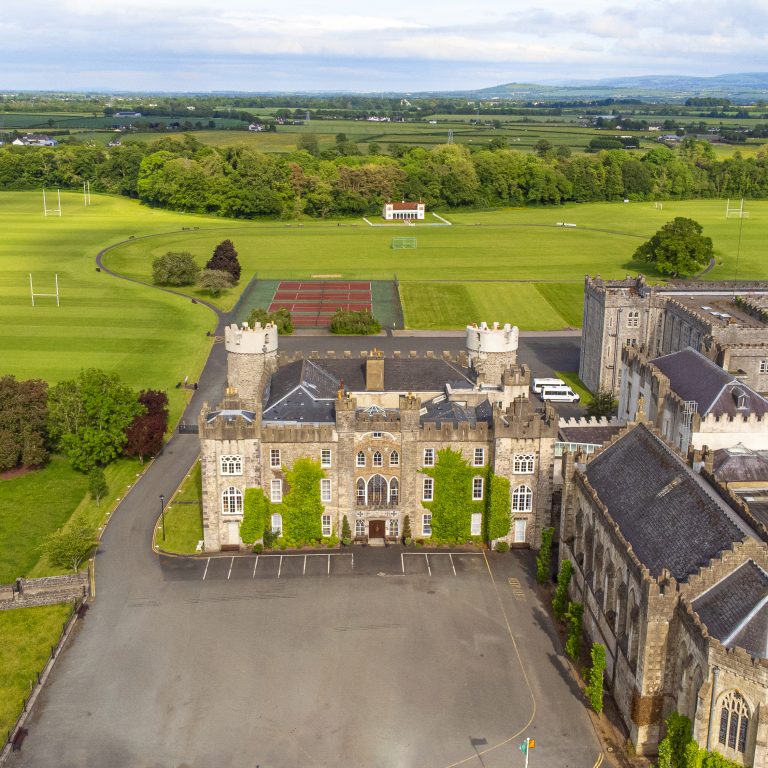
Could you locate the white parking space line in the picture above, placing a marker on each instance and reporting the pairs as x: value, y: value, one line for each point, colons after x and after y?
x: 328, y: 572
x: 254, y: 567
x: 402, y: 562
x: 280, y: 567
x: 304, y: 569
x: 452, y: 565
x: 206, y: 568
x: 426, y: 557
x: 231, y: 563
x: 353, y: 561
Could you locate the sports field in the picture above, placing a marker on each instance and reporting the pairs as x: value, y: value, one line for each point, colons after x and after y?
x: 514, y: 264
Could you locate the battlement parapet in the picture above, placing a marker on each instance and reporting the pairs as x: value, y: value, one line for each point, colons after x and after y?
x: 298, y: 433
x: 594, y: 421
x: 487, y: 339
x: 460, y: 359
x: 244, y: 340
x: 454, y: 430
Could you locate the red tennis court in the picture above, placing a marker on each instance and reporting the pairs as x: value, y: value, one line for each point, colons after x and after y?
x: 313, y: 302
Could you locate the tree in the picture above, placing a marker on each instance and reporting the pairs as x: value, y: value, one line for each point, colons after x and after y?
x: 215, y: 281
x: 407, y: 536
x: 678, y: 248
x: 97, y: 484
x: 281, y: 318
x: 601, y: 404
x: 543, y: 147
x: 308, y: 142
x: 23, y: 422
x: 175, y: 269
x: 225, y: 258
x: 574, y: 618
x: 146, y: 432
x: 68, y: 548
x: 88, y: 417
x: 346, y: 532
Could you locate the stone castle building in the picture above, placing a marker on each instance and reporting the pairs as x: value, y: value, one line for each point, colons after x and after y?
x: 727, y: 322
x: 373, y: 423
x: 672, y: 571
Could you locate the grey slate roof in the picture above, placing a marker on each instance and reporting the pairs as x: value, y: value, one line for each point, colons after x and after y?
x: 659, y: 504
x: 735, y: 610
x: 593, y: 435
x: 695, y: 377
x: 446, y: 411
x: 740, y: 464
x: 305, y: 390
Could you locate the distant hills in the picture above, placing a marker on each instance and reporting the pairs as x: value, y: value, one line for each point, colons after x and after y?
x: 740, y: 87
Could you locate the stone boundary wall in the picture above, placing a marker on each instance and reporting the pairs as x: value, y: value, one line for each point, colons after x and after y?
x: 28, y: 593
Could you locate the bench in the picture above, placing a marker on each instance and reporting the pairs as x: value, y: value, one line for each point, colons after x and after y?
x: 199, y: 547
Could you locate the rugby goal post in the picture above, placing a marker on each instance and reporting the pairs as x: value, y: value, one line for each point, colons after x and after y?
x: 50, y: 295
x: 52, y: 211
x: 735, y: 211
x: 399, y: 243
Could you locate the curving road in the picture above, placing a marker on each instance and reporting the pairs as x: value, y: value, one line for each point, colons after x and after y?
x: 185, y: 662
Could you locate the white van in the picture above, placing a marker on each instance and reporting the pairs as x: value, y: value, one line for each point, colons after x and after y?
x: 559, y: 394
x: 539, y: 384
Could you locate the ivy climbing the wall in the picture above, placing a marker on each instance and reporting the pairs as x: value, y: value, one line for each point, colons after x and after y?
x: 256, y: 515
x: 452, y: 506
x: 497, y: 513
x: 301, y: 508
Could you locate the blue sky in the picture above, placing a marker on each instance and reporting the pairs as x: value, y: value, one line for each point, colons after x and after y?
x: 191, y: 45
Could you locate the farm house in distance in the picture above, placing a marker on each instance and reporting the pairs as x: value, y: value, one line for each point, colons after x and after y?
x: 403, y: 211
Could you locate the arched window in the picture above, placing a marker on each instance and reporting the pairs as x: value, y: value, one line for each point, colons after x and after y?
x: 633, y: 629
x: 378, y: 461
x: 522, y: 499
x: 394, y: 492
x: 609, y: 598
x: 231, y: 465
x: 734, y: 722
x: 523, y: 463
x: 232, y: 501
x: 360, y: 492
x: 277, y: 524
x: 377, y: 491
x: 360, y: 458
x: 394, y: 459
x: 393, y: 529
x: 621, y: 610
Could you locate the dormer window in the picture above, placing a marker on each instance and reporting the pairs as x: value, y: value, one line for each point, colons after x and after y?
x: 740, y: 398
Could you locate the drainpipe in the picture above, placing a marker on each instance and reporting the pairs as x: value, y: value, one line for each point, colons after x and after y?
x: 715, y: 675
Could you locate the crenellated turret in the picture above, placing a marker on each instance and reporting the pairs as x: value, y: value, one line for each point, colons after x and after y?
x: 251, y: 357
x: 492, y: 350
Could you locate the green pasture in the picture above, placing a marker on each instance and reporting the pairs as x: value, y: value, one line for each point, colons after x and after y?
x: 26, y: 638
x: 183, y: 517
x: 515, y: 262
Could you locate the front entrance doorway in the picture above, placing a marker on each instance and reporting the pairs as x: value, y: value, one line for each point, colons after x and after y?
x: 376, y: 529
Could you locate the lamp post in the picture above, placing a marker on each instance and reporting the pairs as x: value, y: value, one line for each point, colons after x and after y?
x: 162, y: 513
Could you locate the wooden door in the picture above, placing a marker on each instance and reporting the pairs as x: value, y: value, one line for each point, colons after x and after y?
x: 376, y: 529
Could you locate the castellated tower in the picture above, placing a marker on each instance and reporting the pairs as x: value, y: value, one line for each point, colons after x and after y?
x: 251, y: 357
x: 492, y: 350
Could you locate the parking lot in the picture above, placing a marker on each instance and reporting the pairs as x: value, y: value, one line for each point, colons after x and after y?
x: 313, y: 565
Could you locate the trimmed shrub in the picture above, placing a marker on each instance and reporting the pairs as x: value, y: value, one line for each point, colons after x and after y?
x: 502, y: 546
x: 544, y: 558
x: 407, y: 535
x: 573, y: 641
x: 346, y: 532
x: 560, y: 600
x: 281, y: 318
x: 595, y: 678
x: 361, y: 323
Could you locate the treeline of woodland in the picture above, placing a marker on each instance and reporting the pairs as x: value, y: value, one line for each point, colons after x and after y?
x: 244, y: 183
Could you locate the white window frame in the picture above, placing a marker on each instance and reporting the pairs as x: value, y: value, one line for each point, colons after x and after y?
x: 378, y: 435
x: 274, y: 457
x: 326, y: 457
x: 276, y: 523
x: 393, y: 527
x: 231, y: 465
x: 394, y: 459
x: 364, y: 489
x: 476, y: 524
x: 393, y: 491
x: 232, y: 501
x: 377, y: 460
x: 478, y: 459
x: 633, y: 319
x: 276, y: 491
x: 524, y: 463
x: 426, y: 524
x: 325, y: 490
x: 429, y: 457
x: 478, y: 487
x: 522, y: 498
x: 428, y: 489
x: 764, y: 366
x: 326, y: 527
x: 360, y: 459
x: 359, y: 528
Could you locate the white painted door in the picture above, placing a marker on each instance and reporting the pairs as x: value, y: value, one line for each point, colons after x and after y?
x: 519, y: 531
x: 233, y: 532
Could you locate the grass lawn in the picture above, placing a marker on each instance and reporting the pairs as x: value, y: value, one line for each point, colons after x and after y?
x: 183, y: 517
x: 571, y: 378
x: 20, y: 662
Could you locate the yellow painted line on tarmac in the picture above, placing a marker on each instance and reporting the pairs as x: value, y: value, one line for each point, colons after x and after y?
x: 478, y: 755
x: 599, y: 760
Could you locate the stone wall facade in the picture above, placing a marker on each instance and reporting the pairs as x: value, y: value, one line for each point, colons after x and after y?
x: 49, y: 590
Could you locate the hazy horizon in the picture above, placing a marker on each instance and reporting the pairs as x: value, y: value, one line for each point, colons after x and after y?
x: 188, y: 45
